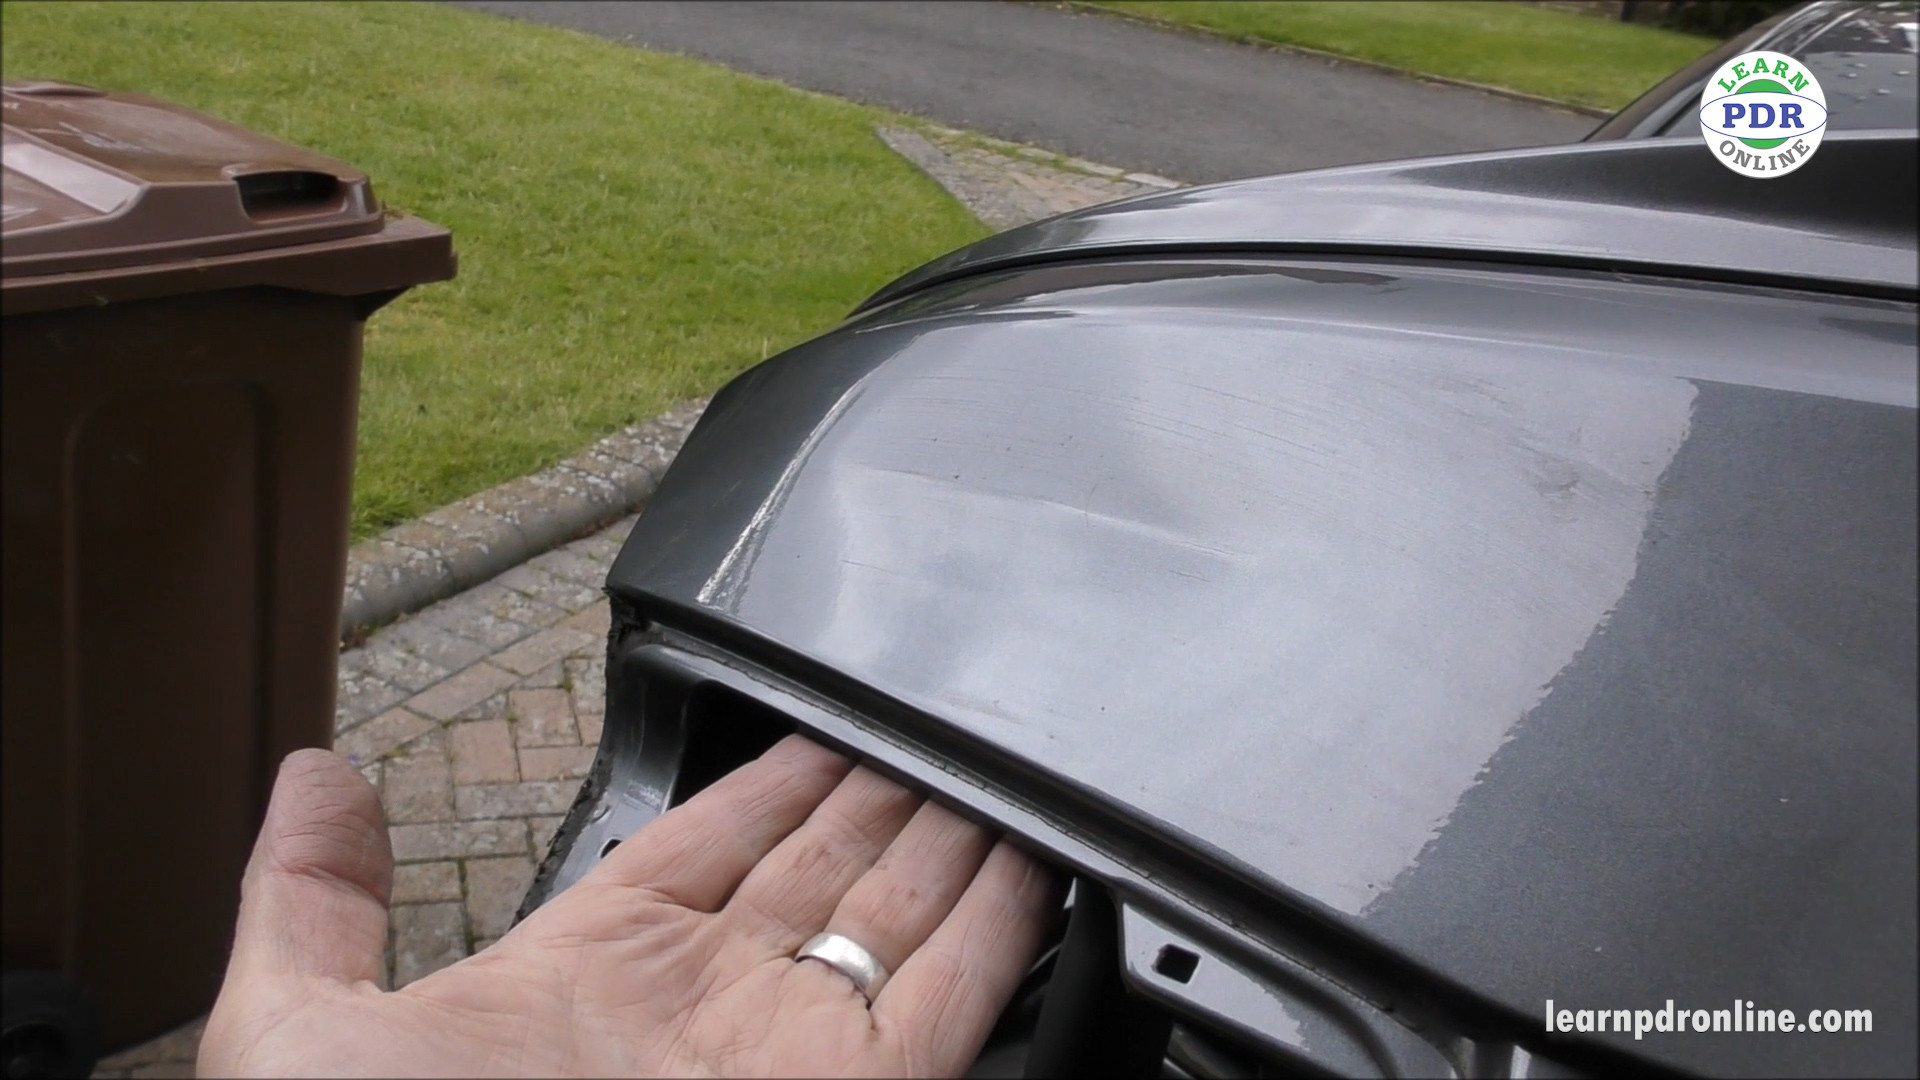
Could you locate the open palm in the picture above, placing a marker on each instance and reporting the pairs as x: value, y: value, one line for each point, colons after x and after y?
x: 673, y: 957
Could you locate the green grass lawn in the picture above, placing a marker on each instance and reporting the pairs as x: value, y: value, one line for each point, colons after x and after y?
x: 633, y: 228
x: 1552, y: 54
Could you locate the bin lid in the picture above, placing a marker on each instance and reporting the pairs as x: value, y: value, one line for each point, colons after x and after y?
x: 111, y: 197
x: 95, y: 179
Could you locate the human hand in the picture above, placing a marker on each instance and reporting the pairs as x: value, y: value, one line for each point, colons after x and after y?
x: 674, y: 956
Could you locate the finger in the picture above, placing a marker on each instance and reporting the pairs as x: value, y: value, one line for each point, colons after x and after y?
x: 698, y: 852
x: 946, y: 996
x: 789, y: 897
x: 895, y: 906
x: 313, y: 901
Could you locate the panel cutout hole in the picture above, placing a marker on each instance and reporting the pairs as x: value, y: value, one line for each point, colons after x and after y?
x: 725, y: 730
x: 1176, y: 963
x: 607, y: 848
x: 270, y: 196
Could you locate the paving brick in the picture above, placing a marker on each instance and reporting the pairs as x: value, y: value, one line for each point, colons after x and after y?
x: 456, y: 840
x: 450, y: 651
x: 595, y: 619
x: 361, y: 696
x: 550, y: 677
x: 163, y: 1070
x: 375, y: 774
x: 493, y: 708
x: 423, y: 883
x: 547, y: 647
x: 504, y: 603
x: 446, y: 699
x: 568, y: 596
x: 419, y: 783
x: 483, y: 753
x: 542, y: 718
x: 569, y: 565
x: 587, y: 683
x: 555, y: 762
x: 382, y: 735
x: 540, y: 832
x: 590, y: 724
x: 426, y: 938
x: 480, y: 801
x: 528, y: 580
x: 483, y: 944
x: 495, y: 888
x: 476, y: 623
x: 389, y: 660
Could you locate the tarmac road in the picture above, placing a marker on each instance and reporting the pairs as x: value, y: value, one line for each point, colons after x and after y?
x: 1093, y: 86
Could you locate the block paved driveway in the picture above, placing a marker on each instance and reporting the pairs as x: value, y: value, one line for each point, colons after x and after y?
x: 476, y: 720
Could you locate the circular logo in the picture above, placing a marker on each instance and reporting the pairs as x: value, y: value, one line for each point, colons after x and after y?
x: 1763, y: 114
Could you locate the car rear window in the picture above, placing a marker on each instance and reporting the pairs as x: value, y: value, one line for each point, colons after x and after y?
x: 1865, y: 61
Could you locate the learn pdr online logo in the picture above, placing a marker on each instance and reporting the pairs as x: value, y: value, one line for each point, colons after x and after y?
x: 1763, y: 114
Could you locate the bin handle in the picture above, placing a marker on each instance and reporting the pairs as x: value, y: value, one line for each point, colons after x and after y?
x: 269, y: 196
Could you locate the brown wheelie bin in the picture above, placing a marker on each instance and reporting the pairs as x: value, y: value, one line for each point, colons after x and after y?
x: 183, y: 306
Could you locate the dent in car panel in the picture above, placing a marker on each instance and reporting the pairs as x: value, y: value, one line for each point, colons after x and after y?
x: 1305, y: 572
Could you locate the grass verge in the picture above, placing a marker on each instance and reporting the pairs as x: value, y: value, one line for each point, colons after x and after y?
x: 634, y: 228
x: 1561, y: 55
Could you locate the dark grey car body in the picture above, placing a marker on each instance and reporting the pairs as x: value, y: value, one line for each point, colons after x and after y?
x: 1414, y: 592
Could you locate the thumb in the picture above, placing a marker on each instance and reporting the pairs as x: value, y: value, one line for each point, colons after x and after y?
x: 313, y: 903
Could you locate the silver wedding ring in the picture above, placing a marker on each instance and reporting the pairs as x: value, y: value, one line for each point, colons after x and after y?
x: 846, y: 956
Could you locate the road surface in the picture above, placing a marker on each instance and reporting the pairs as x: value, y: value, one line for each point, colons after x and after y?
x: 1094, y: 86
